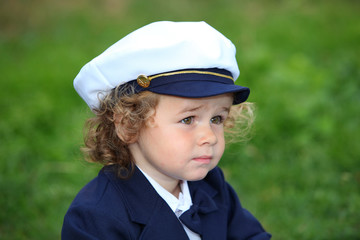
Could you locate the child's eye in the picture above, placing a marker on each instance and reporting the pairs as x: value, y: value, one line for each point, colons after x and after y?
x: 216, y: 120
x: 187, y: 120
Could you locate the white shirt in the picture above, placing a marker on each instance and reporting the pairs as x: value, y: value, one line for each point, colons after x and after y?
x: 178, y: 206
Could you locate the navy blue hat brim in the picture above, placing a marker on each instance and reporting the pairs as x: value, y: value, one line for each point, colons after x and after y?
x: 194, y: 83
x: 200, y: 89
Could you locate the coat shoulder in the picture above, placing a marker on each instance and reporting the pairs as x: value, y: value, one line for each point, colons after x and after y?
x: 97, y: 211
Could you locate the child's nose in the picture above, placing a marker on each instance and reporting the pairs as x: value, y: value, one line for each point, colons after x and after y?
x: 207, y: 135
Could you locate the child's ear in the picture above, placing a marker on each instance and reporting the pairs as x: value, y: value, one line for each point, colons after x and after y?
x: 125, y: 132
x: 150, y: 122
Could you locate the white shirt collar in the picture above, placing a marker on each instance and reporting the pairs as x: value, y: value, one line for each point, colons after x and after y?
x: 177, y: 205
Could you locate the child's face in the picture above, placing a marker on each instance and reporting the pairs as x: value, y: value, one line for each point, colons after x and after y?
x: 185, y: 138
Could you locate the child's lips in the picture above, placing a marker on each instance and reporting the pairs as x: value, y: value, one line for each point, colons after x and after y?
x: 203, y: 159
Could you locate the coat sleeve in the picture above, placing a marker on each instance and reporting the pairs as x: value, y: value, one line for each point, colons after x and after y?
x: 90, y: 223
x: 242, y: 224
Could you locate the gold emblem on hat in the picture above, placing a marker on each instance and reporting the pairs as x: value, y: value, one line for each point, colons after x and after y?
x: 143, y: 81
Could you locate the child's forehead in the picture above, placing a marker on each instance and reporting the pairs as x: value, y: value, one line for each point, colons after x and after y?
x: 183, y: 104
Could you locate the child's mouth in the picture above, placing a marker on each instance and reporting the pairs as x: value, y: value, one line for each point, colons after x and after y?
x: 203, y: 159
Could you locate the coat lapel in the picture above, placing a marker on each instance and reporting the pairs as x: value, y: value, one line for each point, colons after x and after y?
x: 146, y: 208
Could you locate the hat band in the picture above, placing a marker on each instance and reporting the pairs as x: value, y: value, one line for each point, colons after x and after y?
x: 212, y: 74
x: 191, y: 71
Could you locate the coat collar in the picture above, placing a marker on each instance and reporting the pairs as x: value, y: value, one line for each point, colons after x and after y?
x: 139, y: 196
x: 146, y: 207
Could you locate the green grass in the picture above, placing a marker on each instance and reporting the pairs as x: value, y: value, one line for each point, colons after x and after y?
x: 299, y: 174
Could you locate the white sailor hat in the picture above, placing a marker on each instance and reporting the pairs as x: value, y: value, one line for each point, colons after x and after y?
x: 185, y: 59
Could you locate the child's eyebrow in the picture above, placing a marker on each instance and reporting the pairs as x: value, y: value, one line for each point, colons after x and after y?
x: 191, y: 109
x: 226, y: 109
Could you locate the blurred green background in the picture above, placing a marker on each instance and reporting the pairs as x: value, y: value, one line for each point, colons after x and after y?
x: 300, y: 172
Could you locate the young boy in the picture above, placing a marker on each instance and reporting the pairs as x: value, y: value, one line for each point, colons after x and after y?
x: 162, y: 96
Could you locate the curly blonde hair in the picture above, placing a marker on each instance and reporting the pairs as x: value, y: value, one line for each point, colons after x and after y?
x: 107, y: 143
x: 239, y: 122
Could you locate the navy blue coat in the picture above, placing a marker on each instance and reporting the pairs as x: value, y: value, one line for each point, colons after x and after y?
x: 112, y: 208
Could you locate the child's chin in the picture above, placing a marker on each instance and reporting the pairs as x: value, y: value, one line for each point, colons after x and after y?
x: 198, y: 176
